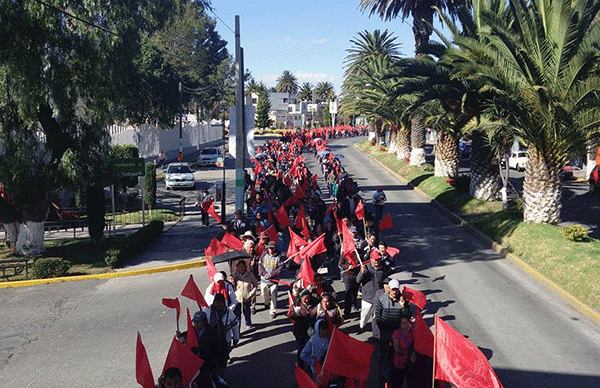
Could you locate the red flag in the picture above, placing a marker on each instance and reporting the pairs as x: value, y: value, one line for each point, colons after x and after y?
x: 143, y: 371
x: 374, y: 254
x: 305, y: 230
x: 211, y: 270
x: 314, y: 247
x: 232, y: 242
x: 299, y: 217
x: 330, y: 208
x: 299, y: 193
x: 347, y: 357
x: 386, y: 222
x: 173, y: 304
x: 210, y: 209
x: 292, y: 252
x: 282, y: 217
x: 360, y: 211
x: 270, y: 217
x: 272, y: 233
x: 348, y: 244
x: 295, y: 243
x: 415, y: 297
x: 423, y: 336
x: 192, y: 338
x: 257, y: 168
x: 191, y: 291
x: 314, y: 178
x: 306, y: 273
x: 215, y: 248
x: 183, y: 359
x: 393, y: 251
x: 339, y: 224
x: 458, y: 361
x: 318, y: 366
x: 290, y: 304
x: 303, y: 379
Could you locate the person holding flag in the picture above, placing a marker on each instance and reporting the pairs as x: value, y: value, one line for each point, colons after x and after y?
x: 269, y: 268
x: 204, y: 198
x: 315, y: 349
x: 379, y: 200
x: 370, y: 278
x: 404, y: 354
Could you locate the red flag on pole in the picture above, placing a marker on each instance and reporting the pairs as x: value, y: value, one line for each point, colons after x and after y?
x: 423, y: 336
x: 272, y: 233
x: 393, y: 251
x: 374, y: 254
x: 303, y: 379
x: 210, y: 209
x: 183, y: 359
x: 360, y: 211
x: 232, y: 242
x: 211, y: 270
x: 191, y: 291
x: 192, y: 339
x: 347, y: 357
x: 458, y: 361
x: 299, y: 217
x: 314, y: 178
x: 306, y: 273
x: 314, y: 247
x: 282, y: 217
x: 339, y: 224
x: 215, y: 248
x: 330, y: 208
x: 386, y: 222
x: 143, y: 371
x: 348, y: 244
x: 415, y: 297
x: 305, y: 230
x: 173, y: 304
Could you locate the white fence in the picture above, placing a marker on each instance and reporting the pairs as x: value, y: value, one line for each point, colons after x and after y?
x: 150, y: 140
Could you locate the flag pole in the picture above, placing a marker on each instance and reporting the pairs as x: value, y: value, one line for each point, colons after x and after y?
x: 433, y: 371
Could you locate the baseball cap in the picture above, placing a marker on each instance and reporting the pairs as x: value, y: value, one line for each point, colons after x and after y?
x: 394, y: 283
x: 353, y: 229
x: 271, y: 244
x: 199, y: 316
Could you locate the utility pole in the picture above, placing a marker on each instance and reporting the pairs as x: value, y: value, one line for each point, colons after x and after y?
x: 180, y: 154
x: 240, y: 133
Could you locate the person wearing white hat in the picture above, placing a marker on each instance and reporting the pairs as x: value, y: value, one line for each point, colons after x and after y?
x: 220, y: 286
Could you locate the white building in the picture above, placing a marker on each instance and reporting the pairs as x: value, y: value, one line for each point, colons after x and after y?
x: 287, y: 112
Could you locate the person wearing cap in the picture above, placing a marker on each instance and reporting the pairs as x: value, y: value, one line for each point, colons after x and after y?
x: 220, y: 286
x: 248, y: 235
x: 238, y: 225
x: 379, y: 199
x: 389, y: 308
x: 269, y: 268
x: 207, y: 345
x: 370, y: 278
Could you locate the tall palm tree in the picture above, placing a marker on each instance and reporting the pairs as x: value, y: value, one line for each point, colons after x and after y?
x: 287, y: 83
x: 537, y: 65
x: 306, y: 92
x: 370, y: 45
x: 324, y: 92
x: 255, y: 87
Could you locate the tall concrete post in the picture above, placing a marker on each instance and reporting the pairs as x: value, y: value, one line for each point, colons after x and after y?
x: 240, y: 133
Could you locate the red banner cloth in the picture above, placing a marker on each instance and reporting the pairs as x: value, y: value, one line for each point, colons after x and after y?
x: 393, y: 251
x: 215, y: 248
x: 143, y: 371
x: 423, y: 336
x: 211, y: 269
x: 192, y: 338
x: 296, y: 242
x: 183, y: 359
x: 348, y: 244
x: 314, y: 247
x: 386, y: 222
x: 305, y: 230
x: 209, y: 207
x: 303, y: 379
x: 173, y: 304
x: 360, y: 211
x: 282, y: 217
x: 347, y: 357
x: 299, y: 217
x: 459, y: 362
x: 191, y: 291
x: 232, y: 242
x: 306, y: 273
x: 415, y: 297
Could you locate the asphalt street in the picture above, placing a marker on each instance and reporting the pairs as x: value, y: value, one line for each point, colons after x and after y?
x: 82, y: 334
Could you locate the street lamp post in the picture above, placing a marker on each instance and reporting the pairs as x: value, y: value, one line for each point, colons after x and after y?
x: 180, y: 155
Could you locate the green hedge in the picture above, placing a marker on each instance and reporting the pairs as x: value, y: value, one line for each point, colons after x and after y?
x: 134, y: 244
x: 50, y: 267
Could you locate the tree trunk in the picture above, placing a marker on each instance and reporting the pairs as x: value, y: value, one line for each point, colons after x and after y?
x: 541, y: 189
x: 446, y: 156
x: 422, y: 26
x: 417, y: 140
x: 485, y: 176
x: 403, y: 139
x: 26, y: 238
x: 393, y: 146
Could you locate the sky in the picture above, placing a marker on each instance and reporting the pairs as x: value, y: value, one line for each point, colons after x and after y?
x: 307, y: 37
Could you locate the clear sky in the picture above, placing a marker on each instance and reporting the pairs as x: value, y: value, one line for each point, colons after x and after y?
x: 307, y: 37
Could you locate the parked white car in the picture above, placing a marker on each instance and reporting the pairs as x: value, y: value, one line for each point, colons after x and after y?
x: 518, y: 160
x: 179, y: 175
x: 210, y: 156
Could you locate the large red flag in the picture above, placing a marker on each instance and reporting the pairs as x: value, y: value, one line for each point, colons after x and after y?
x: 192, y: 291
x: 303, y: 379
x: 183, y: 359
x: 347, y: 357
x: 143, y: 371
x: 210, y: 209
x: 415, y: 297
x: 282, y: 217
x: 314, y: 247
x: 192, y: 338
x: 339, y: 224
x: 211, y: 270
x: 215, y: 248
x: 360, y: 211
x: 306, y: 273
x: 295, y: 243
x: 299, y: 217
x: 305, y: 230
x: 348, y: 244
x: 459, y: 362
x: 173, y: 304
x: 386, y: 222
x: 232, y: 242
x: 423, y: 336
x: 272, y: 233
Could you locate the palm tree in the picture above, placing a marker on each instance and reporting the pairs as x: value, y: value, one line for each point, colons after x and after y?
x: 324, y: 92
x: 370, y: 45
x: 536, y: 63
x: 287, y: 83
x: 255, y: 87
x: 306, y: 92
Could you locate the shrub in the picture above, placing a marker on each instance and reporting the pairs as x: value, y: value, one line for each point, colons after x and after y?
x: 134, y: 244
x: 50, y: 267
x: 517, y: 206
x: 576, y: 233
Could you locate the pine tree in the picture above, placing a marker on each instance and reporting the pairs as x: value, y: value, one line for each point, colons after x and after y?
x: 262, y: 111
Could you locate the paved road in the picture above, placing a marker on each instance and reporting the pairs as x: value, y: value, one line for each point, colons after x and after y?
x: 83, y: 333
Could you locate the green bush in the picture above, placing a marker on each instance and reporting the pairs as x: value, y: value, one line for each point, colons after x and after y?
x: 517, y: 206
x: 50, y: 267
x: 134, y: 244
x: 576, y: 233
x: 150, y: 185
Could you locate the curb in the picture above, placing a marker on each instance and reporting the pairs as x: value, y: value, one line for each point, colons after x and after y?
x: 500, y: 249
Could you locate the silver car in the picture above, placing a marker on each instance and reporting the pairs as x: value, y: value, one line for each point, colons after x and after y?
x: 210, y: 156
x: 179, y: 175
